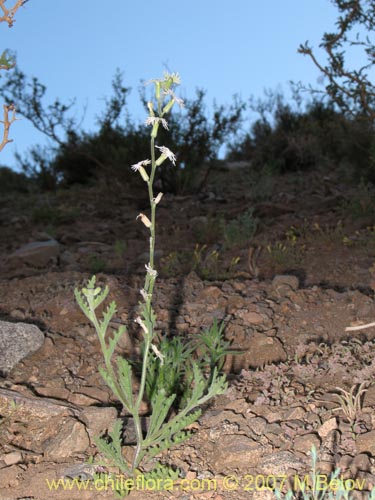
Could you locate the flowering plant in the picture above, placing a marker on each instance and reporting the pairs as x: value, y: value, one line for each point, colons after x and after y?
x: 161, y: 361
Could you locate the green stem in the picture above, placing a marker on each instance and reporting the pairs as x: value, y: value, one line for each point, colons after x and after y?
x: 149, y: 286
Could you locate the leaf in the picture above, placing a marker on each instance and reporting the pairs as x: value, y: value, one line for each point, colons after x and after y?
x: 100, y: 297
x: 113, y: 450
x: 126, y: 381
x: 6, y: 61
x: 107, y: 316
x: 113, y: 341
x: 168, y: 443
x: 171, y: 428
x: 160, y: 408
x: 107, y: 377
x: 82, y: 304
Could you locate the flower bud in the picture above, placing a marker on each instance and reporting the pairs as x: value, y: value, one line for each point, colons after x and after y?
x: 150, y: 107
x: 168, y: 106
x: 144, y: 174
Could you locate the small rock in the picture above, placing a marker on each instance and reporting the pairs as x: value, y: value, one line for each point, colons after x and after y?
x: 361, y: 462
x: 72, y: 439
x: 210, y: 295
x: 94, y: 392
x: 237, y: 452
x: 366, y: 442
x: 252, y: 318
x: 295, y: 413
x: 285, y: 283
x: 17, y: 340
x: 327, y: 427
x: 257, y: 425
x: 37, y: 254
x: 280, y: 463
x: 81, y: 399
x: 345, y: 462
x: 9, y: 476
x: 52, y: 392
x: 12, y: 458
x: 234, y: 303
x: 306, y: 442
x: 369, y: 396
x: 98, y: 420
x: 260, y: 351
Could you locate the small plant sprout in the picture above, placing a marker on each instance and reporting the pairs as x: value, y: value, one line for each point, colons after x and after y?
x: 317, y: 486
x: 172, y: 378
x: 350, y: 402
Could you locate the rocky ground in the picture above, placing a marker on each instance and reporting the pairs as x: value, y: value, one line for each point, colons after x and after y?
x: 286, y: 278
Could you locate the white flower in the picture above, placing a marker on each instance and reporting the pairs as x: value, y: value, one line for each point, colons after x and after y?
x: 146, y: 221
x: 144, y: 294
x: 176, y: 79
x: 141, y: 324
x: 176, y: 99
x: 167, y: 153
x: 151, y: 120
x: 158, y: 198
x: 158, y: 354
x: 140, y: 164
x: 151, y: 272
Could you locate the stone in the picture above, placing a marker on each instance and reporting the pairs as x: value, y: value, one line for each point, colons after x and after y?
x: 29, y: 407
x: 234, y: 303
x: 366, y: 442
x: 71, y: 439
x: 36, y: 254
x: 306, y: 442
x: 280, y: 462
x: 369, y: 396
x: 15, y: 457
x: 251, y: 317
x: 237, y: 452
x: 295, y: 413
x: 327, y: 427
x: 260, y: 351
x: 361, y: 462
x: 53, y: 392
x: 96, y: 393
x: 9, y: 476
x: 98, y: 420
x: 17, y: 340
x: 257, y: 425
x: 209, y: 295
x: 284, y: 283
x: 81, y: 399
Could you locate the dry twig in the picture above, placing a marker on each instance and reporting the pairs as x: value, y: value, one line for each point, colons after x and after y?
x: 7, y: 122
x: 359, y: 327
x: 8, y: 14
x: 9, y: 109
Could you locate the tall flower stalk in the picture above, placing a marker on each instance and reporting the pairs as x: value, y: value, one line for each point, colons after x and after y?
x: 163, y: 431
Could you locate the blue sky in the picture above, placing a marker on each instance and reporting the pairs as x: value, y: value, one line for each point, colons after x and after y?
x: 225, y: 47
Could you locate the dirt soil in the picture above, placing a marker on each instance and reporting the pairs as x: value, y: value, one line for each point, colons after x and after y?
x: 286, y: 294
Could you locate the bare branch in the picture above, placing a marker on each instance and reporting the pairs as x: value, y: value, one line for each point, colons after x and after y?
x: 7, y: 122
x: 350, y: 89
x: 359, y: 327
x: 6, y: 64
x: 8, y: 14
